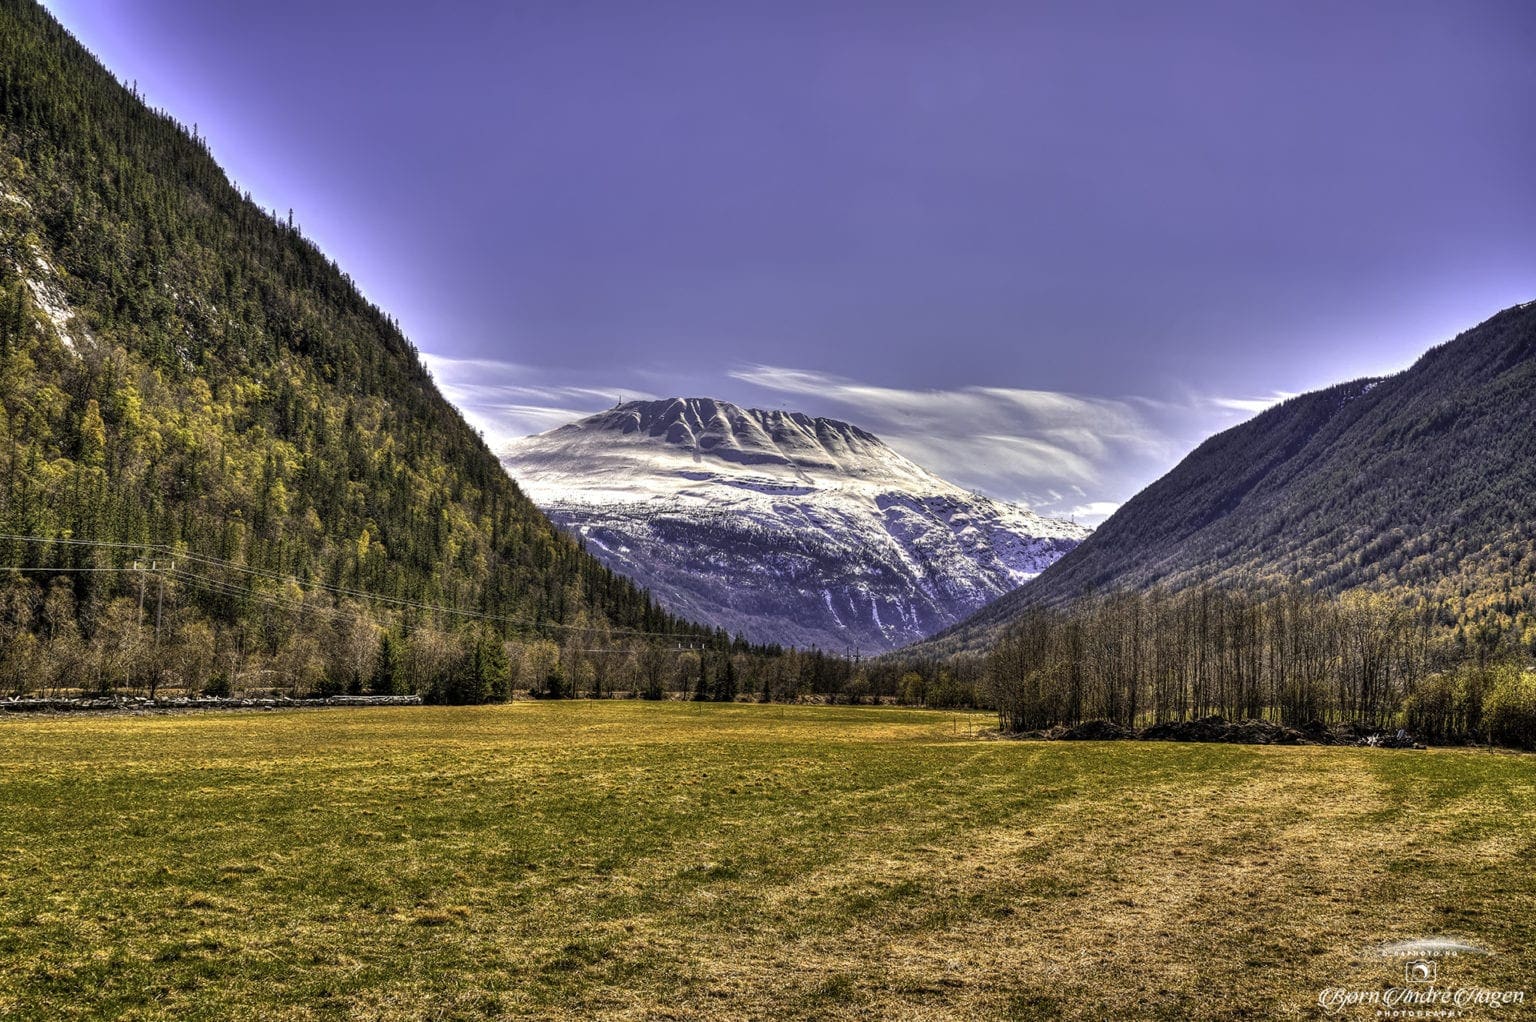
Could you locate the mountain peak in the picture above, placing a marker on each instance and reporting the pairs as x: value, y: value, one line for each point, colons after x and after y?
x: 784, y: 527
x: 722, y: 433
x: 686, y: 420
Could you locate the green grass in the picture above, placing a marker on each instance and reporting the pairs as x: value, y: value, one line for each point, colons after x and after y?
x: 631, y: 860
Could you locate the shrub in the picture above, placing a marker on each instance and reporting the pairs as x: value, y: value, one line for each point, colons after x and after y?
x: 857, y: 691
x: 327, y: 687
x: 947, y: 693
x: 912, y: 689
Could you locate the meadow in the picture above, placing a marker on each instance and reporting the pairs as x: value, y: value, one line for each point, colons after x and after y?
x: 628, y: 860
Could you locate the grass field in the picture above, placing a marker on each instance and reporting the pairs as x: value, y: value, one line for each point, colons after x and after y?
x: 630, y: 860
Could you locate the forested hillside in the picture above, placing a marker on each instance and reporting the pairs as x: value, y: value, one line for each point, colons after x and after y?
x: 183, y: 375
x: 1421, y: 485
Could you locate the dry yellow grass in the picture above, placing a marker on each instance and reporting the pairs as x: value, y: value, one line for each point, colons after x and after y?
x: 640, y: 861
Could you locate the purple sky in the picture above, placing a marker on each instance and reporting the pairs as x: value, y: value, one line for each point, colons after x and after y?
x: 1044, y: 248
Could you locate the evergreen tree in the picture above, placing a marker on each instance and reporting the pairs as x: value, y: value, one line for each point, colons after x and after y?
x: 387, y: 679
x: 492, y: 667
x: 726, y: 691
x: 93, y: 436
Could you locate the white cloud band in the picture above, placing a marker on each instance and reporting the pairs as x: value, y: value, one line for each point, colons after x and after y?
x: 1061, y: 453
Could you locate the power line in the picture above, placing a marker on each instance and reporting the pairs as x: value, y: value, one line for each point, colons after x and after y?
x: 219, y: 588
x: 56, y: 571
x: 70, y: 541
x: 400, y: 602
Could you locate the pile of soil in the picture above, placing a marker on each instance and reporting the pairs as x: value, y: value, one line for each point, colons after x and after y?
x: 1217, y: 729
x: 1092, y: 731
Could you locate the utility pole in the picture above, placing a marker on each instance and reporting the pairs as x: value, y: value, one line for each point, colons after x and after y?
x: 159, y: 615
x: 159, y: 609
x: 138, y: 635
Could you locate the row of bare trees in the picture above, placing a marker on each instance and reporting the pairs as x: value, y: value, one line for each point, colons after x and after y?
x: 1294, y: 655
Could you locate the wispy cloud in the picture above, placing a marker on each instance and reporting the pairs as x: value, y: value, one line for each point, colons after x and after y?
x: 1094, y: 510
x: 1251, y: 405
x: 1040, y: 446
x: 1061, y: 453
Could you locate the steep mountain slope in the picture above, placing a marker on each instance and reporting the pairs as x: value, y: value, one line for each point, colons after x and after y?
x: 1424, y: 481
x: 779, y: 526
x: 179, y: 367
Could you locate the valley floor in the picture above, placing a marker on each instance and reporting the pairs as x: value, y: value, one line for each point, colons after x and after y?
x: 634, y: 860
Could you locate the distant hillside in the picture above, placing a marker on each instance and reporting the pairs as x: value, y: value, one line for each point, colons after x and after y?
x: 779, y: 526
x: 1422, y: 482
x: 180, y: 367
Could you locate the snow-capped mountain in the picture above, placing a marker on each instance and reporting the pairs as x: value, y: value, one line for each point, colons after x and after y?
x: 779, y: 526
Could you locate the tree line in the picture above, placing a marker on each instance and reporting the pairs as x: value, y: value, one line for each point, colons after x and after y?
x: 203, y: 630
x: 1294, y: 656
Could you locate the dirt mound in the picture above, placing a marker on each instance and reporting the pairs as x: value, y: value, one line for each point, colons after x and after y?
x: 1218, y: 729
x: 1094, y: 731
